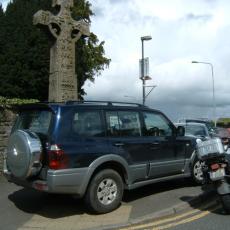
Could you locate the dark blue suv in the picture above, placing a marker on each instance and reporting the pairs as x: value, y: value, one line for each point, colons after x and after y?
x: 96, y: 150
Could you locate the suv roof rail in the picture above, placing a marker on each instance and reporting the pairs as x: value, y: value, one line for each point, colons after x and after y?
x: 108, y: 103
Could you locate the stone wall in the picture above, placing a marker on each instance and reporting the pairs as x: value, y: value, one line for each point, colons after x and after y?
x: 7, y: 117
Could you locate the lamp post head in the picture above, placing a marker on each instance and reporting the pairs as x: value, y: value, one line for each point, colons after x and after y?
x: 202, y: 62
x: 146, y: 78
x: 146, y: 38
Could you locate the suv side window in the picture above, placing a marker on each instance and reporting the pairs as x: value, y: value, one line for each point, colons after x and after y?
x: 156, y: 125
x: 87, y: 123
x: 123, y: 123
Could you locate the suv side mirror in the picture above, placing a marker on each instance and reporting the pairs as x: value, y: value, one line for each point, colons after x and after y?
x: 180, y: 131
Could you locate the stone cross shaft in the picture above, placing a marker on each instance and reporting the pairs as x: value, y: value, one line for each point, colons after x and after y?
x: 66, y: 31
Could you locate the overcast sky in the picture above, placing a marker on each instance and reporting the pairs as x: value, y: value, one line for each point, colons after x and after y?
x: 182, y: 31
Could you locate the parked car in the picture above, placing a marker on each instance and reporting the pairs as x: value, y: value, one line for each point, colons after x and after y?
x: 197, y: 130
x: 96, y: 150
x: 209, y: 124
x: 201, y: 133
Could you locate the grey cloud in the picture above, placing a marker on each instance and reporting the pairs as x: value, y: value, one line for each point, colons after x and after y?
x: 134, y: 17
x: 205, y: 17
x: 121, y: 13
x: 98, y: 11
x: 210, y: 1
x: 117, y: 1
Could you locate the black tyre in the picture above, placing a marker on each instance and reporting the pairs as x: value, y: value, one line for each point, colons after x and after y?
x: 197, y: 173
x: 105, y: 191
x: 225, y: 200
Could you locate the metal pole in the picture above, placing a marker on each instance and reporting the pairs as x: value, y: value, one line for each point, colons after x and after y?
x: 144, y: 38
x: 213, y: 89
x: 142, y: 71
x: 213, y: 94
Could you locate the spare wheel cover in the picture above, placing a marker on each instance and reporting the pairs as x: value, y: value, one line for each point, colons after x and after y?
x: 24, y: 149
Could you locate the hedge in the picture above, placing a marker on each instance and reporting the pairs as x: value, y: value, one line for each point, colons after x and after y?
x: 7, y: 103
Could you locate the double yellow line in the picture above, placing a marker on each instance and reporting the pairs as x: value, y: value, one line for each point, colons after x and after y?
x: 178, y: 219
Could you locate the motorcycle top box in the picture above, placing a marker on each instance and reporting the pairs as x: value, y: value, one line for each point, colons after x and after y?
x: 210, y: 148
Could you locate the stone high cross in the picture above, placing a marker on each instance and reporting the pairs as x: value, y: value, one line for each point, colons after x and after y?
x: 66, y: 31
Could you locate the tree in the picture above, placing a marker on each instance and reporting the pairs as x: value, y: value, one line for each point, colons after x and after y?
x: 1, y: 11
x: 24, y: 60
x: 90, y: 53
x: 1, y: 33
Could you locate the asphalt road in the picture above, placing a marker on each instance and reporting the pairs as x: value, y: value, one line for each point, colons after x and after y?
x: 26, y: 209
x: 209, y: 219
x: 210, y: 216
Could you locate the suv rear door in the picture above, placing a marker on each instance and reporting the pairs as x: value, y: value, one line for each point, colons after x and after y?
x: 82, y: 135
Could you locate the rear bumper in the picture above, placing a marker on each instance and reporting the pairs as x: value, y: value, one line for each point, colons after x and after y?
x: 66, y: 181
x: 71, y: 181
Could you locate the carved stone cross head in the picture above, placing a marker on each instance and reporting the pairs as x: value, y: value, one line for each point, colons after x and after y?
x: 62, y: 22
x: 66, y: 31
x: 63, y: 3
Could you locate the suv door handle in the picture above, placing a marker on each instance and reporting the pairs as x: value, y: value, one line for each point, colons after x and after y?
x: 155, y: 143
x: 118, y: 144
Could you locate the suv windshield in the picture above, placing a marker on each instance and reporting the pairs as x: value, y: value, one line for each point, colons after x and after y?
x: 36, y: 121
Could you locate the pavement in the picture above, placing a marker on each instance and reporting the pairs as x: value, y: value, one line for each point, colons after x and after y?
x: 26, y: 209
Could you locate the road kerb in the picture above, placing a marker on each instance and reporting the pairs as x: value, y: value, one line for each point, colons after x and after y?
x: 193, y: 202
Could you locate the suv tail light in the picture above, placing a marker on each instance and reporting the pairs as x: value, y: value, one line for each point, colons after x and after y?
x: 57, y: 158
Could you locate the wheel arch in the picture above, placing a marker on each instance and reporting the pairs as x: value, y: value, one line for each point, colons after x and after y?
x: 111, y: 161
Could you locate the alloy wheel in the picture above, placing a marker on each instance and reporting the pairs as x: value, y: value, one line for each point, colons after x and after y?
x: 107, y: 191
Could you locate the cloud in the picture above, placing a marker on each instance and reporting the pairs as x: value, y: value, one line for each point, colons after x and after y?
x: 204, y: 18
x: 181, y: 31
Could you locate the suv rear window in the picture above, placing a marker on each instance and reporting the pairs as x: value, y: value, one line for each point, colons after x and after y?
x: 34, y: 120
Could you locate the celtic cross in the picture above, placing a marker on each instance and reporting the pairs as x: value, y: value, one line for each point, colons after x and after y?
x: 66, y: 31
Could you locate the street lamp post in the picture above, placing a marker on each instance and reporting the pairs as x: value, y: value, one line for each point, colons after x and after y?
x: 213, y: 88
x: 145, y: 38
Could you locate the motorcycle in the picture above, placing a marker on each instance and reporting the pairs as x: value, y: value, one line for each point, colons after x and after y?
x: 216, y: 168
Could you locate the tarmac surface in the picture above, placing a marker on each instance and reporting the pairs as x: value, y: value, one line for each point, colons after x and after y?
x: 26, y: 209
